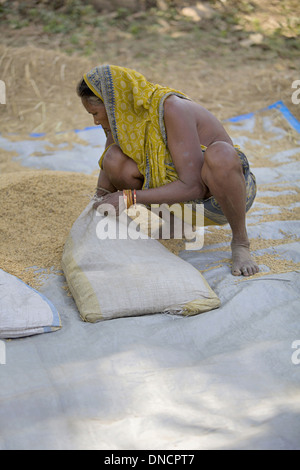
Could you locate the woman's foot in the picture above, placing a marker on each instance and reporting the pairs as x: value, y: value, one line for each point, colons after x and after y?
x: 242, y: 262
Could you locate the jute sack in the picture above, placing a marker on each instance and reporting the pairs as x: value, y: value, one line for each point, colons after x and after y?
x: 113, y: 272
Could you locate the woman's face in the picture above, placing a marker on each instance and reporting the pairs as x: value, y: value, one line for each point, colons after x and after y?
x: 99, y: 113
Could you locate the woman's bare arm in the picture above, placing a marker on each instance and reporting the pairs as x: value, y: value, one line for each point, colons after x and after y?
x: 185, y: 148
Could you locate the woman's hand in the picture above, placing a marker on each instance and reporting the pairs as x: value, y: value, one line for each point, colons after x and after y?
x: 113, y: 204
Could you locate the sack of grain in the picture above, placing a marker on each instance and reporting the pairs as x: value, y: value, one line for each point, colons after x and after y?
x: 23, y: 310
x: 122, y: 274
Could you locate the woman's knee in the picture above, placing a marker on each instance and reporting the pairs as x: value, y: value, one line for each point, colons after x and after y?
x: 222, y: 157
x: 113, y: 159
x: 121, y: 170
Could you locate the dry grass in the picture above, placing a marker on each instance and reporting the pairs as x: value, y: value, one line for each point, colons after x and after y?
x: 41, y: 83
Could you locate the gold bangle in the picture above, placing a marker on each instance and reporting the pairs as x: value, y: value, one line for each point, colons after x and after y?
x: 127, y: 195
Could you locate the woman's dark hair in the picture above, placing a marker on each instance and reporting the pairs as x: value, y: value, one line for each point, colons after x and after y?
x: 83, y: 91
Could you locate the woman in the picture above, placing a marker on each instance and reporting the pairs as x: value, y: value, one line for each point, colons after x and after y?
x: 169, y: 149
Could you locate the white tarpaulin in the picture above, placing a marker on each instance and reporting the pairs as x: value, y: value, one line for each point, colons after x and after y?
x: 225, y: 379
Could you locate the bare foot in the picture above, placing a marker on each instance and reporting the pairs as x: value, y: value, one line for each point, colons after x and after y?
x: 242, y: 262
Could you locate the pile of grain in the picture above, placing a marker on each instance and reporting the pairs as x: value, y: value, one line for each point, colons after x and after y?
x: 38, y: 209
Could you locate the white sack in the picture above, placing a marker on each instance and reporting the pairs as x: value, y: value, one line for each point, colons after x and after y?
x: 23, y: 310
x: 112, y: 278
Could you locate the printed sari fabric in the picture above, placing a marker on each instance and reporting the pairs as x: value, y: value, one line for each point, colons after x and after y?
x: 135, y: 110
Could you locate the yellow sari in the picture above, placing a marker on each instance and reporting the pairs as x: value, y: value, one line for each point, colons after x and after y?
x: 135, y: 112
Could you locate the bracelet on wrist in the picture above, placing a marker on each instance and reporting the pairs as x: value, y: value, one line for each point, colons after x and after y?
x: 129, y: 197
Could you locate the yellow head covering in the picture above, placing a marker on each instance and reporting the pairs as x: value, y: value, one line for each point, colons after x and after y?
x: 135, y: 112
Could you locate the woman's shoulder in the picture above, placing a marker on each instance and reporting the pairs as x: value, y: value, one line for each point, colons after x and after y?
x: 176, y: 106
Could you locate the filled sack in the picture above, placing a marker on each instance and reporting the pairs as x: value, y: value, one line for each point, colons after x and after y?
x: 112, y: 271
x: 23, y: 310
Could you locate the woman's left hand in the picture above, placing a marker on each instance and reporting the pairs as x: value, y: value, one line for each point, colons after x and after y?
x: 113, y: 204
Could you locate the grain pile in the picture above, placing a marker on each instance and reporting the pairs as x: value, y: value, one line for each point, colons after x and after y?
x: 37, y: 211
